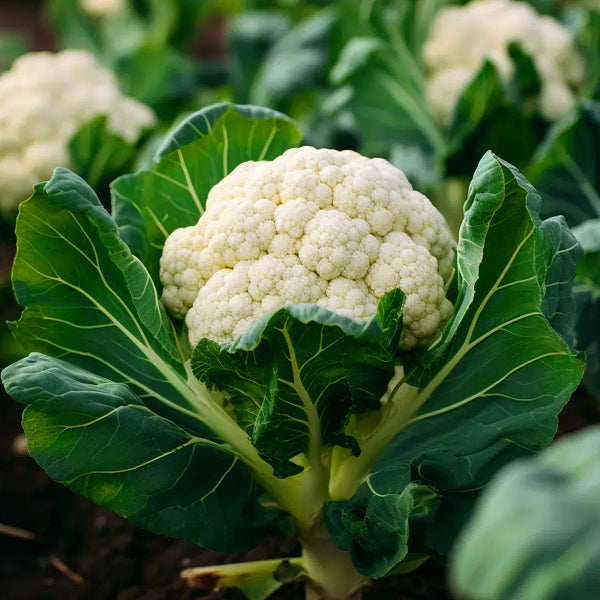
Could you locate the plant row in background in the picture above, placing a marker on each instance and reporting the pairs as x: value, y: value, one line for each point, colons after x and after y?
x: 302, y: 345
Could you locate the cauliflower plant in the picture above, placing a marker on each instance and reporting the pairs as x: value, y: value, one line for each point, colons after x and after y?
x: 103, y: 8
x: 45, y: 97
x: 462, y: 37
x: 325, y: 227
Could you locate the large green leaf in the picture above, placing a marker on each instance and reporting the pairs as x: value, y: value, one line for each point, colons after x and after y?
x: 101, y: 439
x: 196, y: 155
x: 89, y: 302
x: 492, y: 387
x: 296, y: 377
x: 566, y: 168
x: 535, y: 534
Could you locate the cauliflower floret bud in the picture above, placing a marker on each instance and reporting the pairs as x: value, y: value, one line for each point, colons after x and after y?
x: 322, y: 227
x: 463, y: 37
x: 45, y: 98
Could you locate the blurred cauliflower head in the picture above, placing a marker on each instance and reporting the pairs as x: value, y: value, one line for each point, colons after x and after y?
x: 103, y: 8
x: 45, y: 98
x: 324, y: 227
x: 462, y: 37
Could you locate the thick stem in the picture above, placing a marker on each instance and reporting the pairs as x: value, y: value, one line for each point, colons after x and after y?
x: 330, y: 570
x: 314, y: 593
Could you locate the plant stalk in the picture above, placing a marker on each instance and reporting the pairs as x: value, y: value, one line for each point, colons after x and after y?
x: 331, y: 574
x: 347, y: 471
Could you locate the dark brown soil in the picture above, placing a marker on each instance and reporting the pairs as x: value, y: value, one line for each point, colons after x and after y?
x: 27, y: 18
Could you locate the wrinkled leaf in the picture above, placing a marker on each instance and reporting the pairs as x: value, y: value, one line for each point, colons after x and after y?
x: 305, y: 371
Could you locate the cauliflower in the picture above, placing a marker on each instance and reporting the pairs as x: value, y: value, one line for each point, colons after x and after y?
x: 325, y: 227
x: 103, y: 8
x: 45, y: 97
x: 462, y: 37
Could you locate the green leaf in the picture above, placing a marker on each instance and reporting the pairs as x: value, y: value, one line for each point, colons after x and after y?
x: 490, y: 390
x: 535, y: 534
x: 100, y: 438
x: 587, y: 295
x: 296, y: 62
x: 11, y: 47
x: 96, y: 291
x: 588, y: 268
x: 158, y: 76
x: 149, y: 205
x: 526, y: 84
x: 565, y: 168
x: 99, y: 155
x: 299, y: 375
x: 251, y: 35
x: 91, y: 304
x: 106, y: 37
x: 478, y: 99
x: 381, y: 62
x: 375, y: 526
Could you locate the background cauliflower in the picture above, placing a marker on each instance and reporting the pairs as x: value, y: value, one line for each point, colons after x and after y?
x: 331, y: 228
x: 462, y: 37
x: 45, y: 97
x: 103, y: 8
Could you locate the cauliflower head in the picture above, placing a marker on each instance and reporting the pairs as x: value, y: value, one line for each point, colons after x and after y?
x: 315, y: 226
x: 462, y: 37
x: 103, y: 8
x: 45, y: 97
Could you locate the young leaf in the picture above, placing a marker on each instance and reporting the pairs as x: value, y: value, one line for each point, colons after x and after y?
x: 492, y: 387
x: 535, y: 532
x: 304, y: 370
x: 149, y: 205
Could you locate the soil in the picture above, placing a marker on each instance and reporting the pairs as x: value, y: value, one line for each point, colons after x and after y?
x: 27, y: 18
